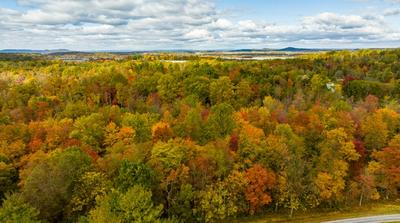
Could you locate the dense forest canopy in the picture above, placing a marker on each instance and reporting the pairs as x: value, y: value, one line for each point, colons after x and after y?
x: 143, y: 139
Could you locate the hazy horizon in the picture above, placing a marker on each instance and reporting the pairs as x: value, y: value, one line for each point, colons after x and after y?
x: 136, y: 25
x: 195, y: 50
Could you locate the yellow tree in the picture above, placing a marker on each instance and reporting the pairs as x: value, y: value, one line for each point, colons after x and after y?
x: 336, y: 151
x: 375, y: 132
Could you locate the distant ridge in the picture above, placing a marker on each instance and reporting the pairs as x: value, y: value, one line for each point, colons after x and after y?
x: 293, y: 49
x: 66, y: 51
x: 287, y: 49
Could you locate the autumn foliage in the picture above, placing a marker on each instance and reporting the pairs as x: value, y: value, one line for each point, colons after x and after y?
x: 143, y: 139
x: 259, y: 181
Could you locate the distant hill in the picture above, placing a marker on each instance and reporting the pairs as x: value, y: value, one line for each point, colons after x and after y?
x: 287, y: 49
x: 293, y: 49
x: 246, y: 50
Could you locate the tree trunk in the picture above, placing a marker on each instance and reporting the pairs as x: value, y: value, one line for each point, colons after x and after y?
x: 361, y: 198
x: 291, y: 212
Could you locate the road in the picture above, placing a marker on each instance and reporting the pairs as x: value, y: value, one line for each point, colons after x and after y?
x: 371, y: 219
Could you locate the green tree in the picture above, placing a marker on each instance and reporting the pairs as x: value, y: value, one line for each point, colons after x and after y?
x: 49, y: 187
x: 220, y: 122
x: 215, y: 203
x: 132, y: 173
x: 16, y: 210
x: 221, y: 90
x: 169, y: 155
x: 168, y: 87
x: 182, y: 206
x: 75, y: 110
x: 318, y: 84
x: 193, y: 125
x: 8, y: 178
x: 89, y: 186
x: 198, y: 86
x: 107, y: 210
x: 243, y: 92
x: 135, y: 205
x: 141, y: 123
x: 90, y: 130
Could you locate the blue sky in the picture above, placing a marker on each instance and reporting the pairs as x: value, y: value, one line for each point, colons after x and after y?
x: 198, y: 24
x: 291, y: 11
x: 9, y: 4
x: 285, y: 10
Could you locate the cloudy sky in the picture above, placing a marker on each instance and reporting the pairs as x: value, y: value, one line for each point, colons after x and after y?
x: 198, y: 24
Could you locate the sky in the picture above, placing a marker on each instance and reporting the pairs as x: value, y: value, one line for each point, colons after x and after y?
x: 198, y: 24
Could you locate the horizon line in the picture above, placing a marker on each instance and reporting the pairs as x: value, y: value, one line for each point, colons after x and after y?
x: 197, y: 50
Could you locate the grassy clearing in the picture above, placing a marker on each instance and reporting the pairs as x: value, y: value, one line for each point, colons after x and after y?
x: 319, y: 216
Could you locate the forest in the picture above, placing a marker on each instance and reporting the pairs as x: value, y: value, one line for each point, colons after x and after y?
x: 143, y: 139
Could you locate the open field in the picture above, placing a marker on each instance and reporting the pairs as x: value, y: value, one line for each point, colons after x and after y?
x: 321, y: 216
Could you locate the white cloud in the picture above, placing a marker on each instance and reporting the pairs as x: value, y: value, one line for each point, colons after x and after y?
x: 247, y: 25
x: 45, y: 18
x: 392, y: 12
x: 198, y: 34
x: 173, y: 24
x: 222, y: 24
x: 334, y: 21
x: 346, y: 26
